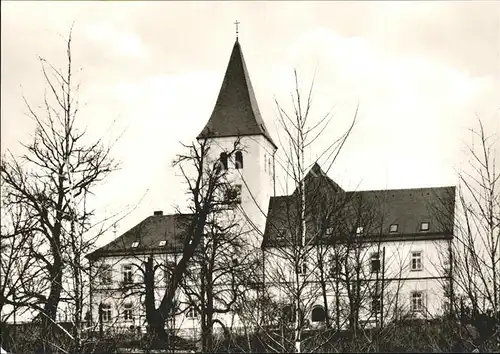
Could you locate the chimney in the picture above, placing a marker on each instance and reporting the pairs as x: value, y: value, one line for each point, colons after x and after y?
x: 158, y: 213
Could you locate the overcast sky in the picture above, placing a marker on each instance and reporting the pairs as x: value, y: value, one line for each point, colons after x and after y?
x: 420, y: 71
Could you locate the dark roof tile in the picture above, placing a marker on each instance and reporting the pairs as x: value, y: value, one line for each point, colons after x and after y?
x: 236, y: 112
x: 149, y: 233
x: 374, y: 210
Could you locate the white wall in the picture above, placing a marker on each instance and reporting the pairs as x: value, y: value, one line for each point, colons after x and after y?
x: 114, y: 295
x: 399, y: 280
x: 256, y: 178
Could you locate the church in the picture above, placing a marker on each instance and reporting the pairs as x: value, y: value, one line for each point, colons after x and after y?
x: 361, y: 258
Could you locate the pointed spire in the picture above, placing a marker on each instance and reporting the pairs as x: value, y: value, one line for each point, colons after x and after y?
x: 236, y: 112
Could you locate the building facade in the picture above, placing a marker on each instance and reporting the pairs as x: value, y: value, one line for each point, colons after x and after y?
x: 365, y: 257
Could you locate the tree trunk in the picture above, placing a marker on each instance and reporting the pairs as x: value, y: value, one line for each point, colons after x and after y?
x: 337, y: 305
x: 207, y: 333
x: 323, y: 291
x: 50, y: 308
x: 156, y: 321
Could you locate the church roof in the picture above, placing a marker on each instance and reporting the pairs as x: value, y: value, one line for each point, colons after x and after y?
x: 236, y: 112
x: 374, y: 210
x: 148, y: 234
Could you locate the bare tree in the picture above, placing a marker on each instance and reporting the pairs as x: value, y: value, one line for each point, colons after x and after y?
x: 223, y: 263
x: 15, y: 263
x: 297, y: 239
x: 207, y: 191
x: 472, y: 259
x: 47, y: 188
x: 477, y: 257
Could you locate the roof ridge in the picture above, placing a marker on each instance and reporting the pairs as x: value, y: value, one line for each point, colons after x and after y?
x: 400, y: 189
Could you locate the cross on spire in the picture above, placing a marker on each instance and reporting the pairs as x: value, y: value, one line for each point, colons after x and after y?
x: 236, y: 23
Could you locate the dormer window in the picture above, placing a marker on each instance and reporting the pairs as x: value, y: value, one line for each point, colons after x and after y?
x: 424, y: 226
x: 393, y: 228
x: 223, y: 160
x: 135, y: 244
x: 359, y: 230
x: 238, y: 163
x: 162, y: 243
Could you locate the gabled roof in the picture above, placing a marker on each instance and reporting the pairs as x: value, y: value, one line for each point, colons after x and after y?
x: 236, y: 112
x: 318, y: 182
x: 148, y: 233
x: 374, y: 210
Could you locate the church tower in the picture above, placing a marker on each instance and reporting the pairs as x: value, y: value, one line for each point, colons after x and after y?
x: 236, y: 115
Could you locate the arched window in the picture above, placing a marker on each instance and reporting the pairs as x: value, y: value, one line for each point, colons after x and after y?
x: 318, y: 314
x: 238, y: 163
x: 223, y: 160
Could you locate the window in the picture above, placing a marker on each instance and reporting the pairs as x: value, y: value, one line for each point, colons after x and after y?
x: 265, y: 162
x: 376, y: 304
x: 168, y: 270
x: 375, y: 289
x: 416, y: 261
x: 335, y: 267
x: 162, y: 243
x: 238, y: 163
x: 127, y: 274
x: 235, y: 262
x: 63, y: 317
x: 106, y: 274
x: 417, y: 301
x: 105, y: 312
x: 359, y: 230
x: 288, y: 313
x: 191, y: 312
x: 135, y: 244
x: 424, y: 226
x: 446, y: 307
x: 269, y: 165
x: 318, y: 314
x: 375, y: 262
x: 302, y: 268
x: 354, y: 287
x: 393, y: 228
x: 127, y: 312
x: 329, y: 231
x: 233, y: 194
x: 223, y: 161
